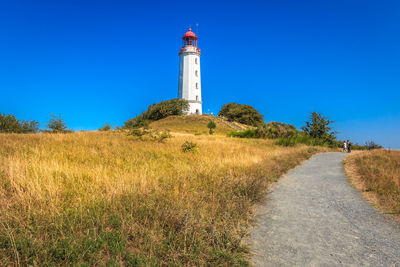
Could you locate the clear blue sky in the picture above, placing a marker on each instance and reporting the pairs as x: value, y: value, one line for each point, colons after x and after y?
x: 94, y: 61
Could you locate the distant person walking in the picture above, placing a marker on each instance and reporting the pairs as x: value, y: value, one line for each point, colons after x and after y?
x: 344, y: 146
x: 348, y: 146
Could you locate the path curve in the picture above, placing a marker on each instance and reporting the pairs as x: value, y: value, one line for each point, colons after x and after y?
x: 313, y: 217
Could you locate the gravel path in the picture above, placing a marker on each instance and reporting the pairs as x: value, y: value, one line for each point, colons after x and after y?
x: 313, y: 217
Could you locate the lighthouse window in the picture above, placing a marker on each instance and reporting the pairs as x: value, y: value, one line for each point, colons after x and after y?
x: 196, y: 73
x: 195, y: 61
x: 197, y: 86
x: 197, y: 98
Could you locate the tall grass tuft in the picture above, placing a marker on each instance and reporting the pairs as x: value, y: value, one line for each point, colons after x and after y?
x: 377, y: 172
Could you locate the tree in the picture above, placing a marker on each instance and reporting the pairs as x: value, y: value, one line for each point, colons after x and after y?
x: 211, y: 125
x: 241, y: 113
x: 56, y: 125
x: 10, y: 124
x: 159, y: 111
x: 318, y: 127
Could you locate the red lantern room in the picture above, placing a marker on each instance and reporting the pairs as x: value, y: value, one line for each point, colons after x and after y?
x: 189, y: 43
x: 190, y: 38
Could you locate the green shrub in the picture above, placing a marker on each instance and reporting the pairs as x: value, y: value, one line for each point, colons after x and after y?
x: 10, y: 124
x: 241, y: 113
x: 189, y: 147
x: 274, y: 130
x: 56, y: 125
x: 159, y: 111
x: 211, y: 125
x: 106, y: 127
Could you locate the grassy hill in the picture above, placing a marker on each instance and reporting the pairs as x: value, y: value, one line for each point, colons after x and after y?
x: 106, y: 198
x: 193, y: 124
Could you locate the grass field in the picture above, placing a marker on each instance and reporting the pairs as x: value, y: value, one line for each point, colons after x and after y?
x: 377, y: 174
x: 110, y: 199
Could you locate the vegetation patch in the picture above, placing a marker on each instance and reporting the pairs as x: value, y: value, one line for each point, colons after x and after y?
x: 106, y: 127
x: 377, y: 174
x: 158, y: 111
x: 272, y: 130
x: 211, y: 125
x: 57, y: 125
x: 316, y: 132
x: 244, y: 114
x: 10, y: 124
x: 189, y: 147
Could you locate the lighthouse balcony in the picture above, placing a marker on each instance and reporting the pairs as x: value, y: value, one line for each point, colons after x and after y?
x: 189, y: 48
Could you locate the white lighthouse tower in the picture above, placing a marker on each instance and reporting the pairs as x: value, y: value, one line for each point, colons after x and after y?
x: 189, y: 73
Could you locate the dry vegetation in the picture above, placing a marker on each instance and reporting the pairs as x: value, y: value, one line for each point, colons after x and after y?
x: 377, y: 174
x: 108, y: 198
x: 191, y: 124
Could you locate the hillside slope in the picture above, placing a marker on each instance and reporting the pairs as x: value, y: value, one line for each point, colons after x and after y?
x: 192, y: 124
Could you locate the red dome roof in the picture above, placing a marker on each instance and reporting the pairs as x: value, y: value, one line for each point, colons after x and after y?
x: 189, y: 33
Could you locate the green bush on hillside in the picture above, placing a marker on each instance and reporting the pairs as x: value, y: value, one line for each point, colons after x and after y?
x: 274, y: 130
x: 241, y: 113
x: 211, y: 125
x: 105, y: 128
x: 10, y: 124
x: 56, y: 125
x: 158, y: 111
x: 189, y: 147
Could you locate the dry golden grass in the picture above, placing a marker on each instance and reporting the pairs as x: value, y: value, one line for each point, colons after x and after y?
x: 191, y: 124
x: 111, y: 199
x: 377, y: 174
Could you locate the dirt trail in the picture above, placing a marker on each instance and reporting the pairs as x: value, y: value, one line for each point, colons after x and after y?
x: 313, y: 217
